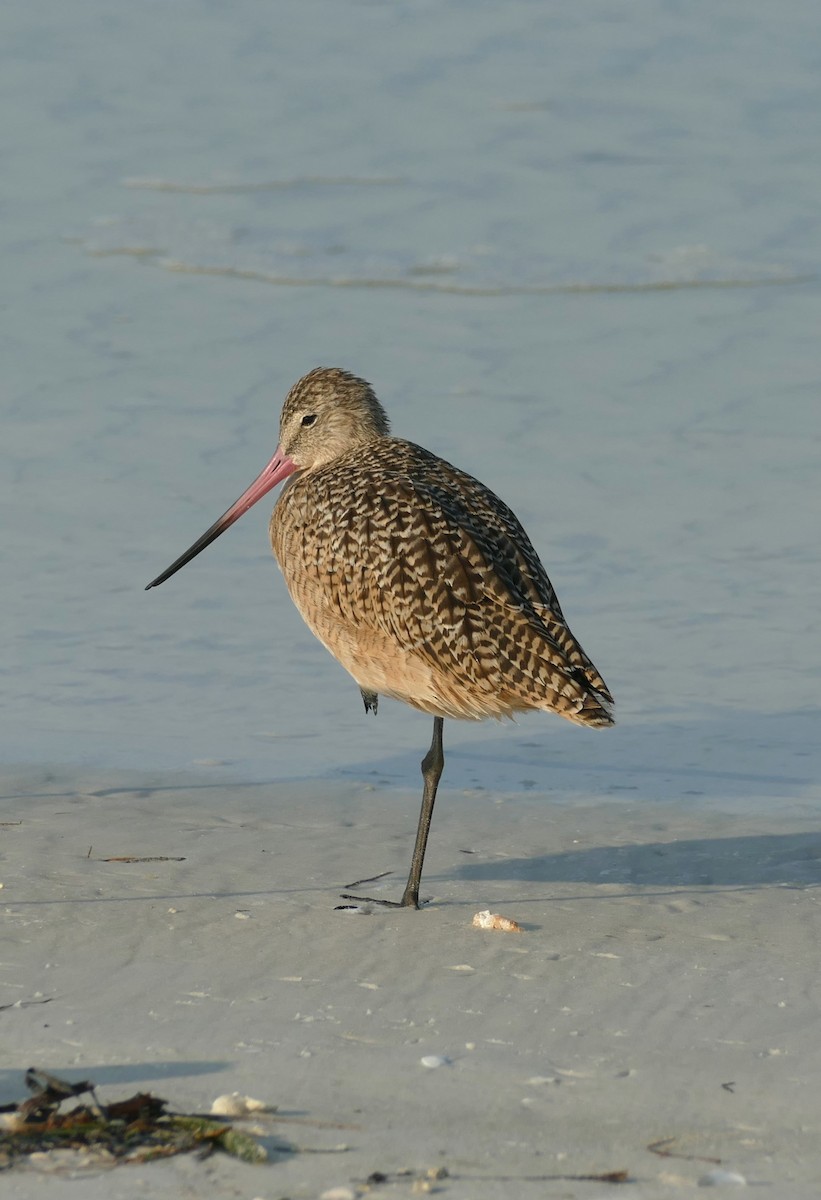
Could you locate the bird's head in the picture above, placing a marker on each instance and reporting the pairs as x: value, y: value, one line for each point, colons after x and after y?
x: 325, y: 414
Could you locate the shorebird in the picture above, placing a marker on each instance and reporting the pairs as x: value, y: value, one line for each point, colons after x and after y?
x: 415, y: 576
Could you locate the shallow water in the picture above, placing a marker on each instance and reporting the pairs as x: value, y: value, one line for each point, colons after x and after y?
x: 575, y: 252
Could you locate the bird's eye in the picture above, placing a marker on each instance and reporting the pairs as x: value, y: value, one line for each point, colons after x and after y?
x: 309, y: 419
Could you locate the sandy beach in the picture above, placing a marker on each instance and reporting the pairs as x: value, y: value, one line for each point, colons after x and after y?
x: 664, y: 985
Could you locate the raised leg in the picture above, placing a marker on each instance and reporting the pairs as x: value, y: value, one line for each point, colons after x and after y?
x: 432, y: 765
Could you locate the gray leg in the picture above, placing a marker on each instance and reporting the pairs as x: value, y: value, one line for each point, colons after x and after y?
x: 432, y: 765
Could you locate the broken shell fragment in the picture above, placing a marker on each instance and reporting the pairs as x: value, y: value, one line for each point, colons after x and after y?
x: 489, y: 920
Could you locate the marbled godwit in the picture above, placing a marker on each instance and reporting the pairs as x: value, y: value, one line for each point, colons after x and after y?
x: 415, y: 576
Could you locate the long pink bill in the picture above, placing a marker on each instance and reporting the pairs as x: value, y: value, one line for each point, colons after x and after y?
x: 279, y: 468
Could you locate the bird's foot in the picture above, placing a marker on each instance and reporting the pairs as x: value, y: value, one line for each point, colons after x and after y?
x: 369, y: 879
x: 405, y: 902
x: 410, y: 897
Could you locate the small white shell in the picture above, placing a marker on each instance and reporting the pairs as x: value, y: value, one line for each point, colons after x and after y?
x: 720, y: 1178
x: 489, y: 920
x: 434, y: 1060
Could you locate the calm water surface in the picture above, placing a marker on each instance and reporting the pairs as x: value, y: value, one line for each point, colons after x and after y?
x: 575, y: 250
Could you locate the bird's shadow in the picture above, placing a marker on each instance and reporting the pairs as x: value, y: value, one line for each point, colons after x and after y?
x: 792, y: 860
x: 652, y: 777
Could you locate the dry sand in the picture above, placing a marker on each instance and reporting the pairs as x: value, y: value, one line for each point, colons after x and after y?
x: 664, y: 987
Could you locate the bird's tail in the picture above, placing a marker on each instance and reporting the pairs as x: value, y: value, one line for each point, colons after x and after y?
x: 587, y: 698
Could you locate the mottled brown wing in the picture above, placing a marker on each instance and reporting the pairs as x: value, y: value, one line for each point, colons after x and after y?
x: 496, y: 528
x: 503, y: 541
